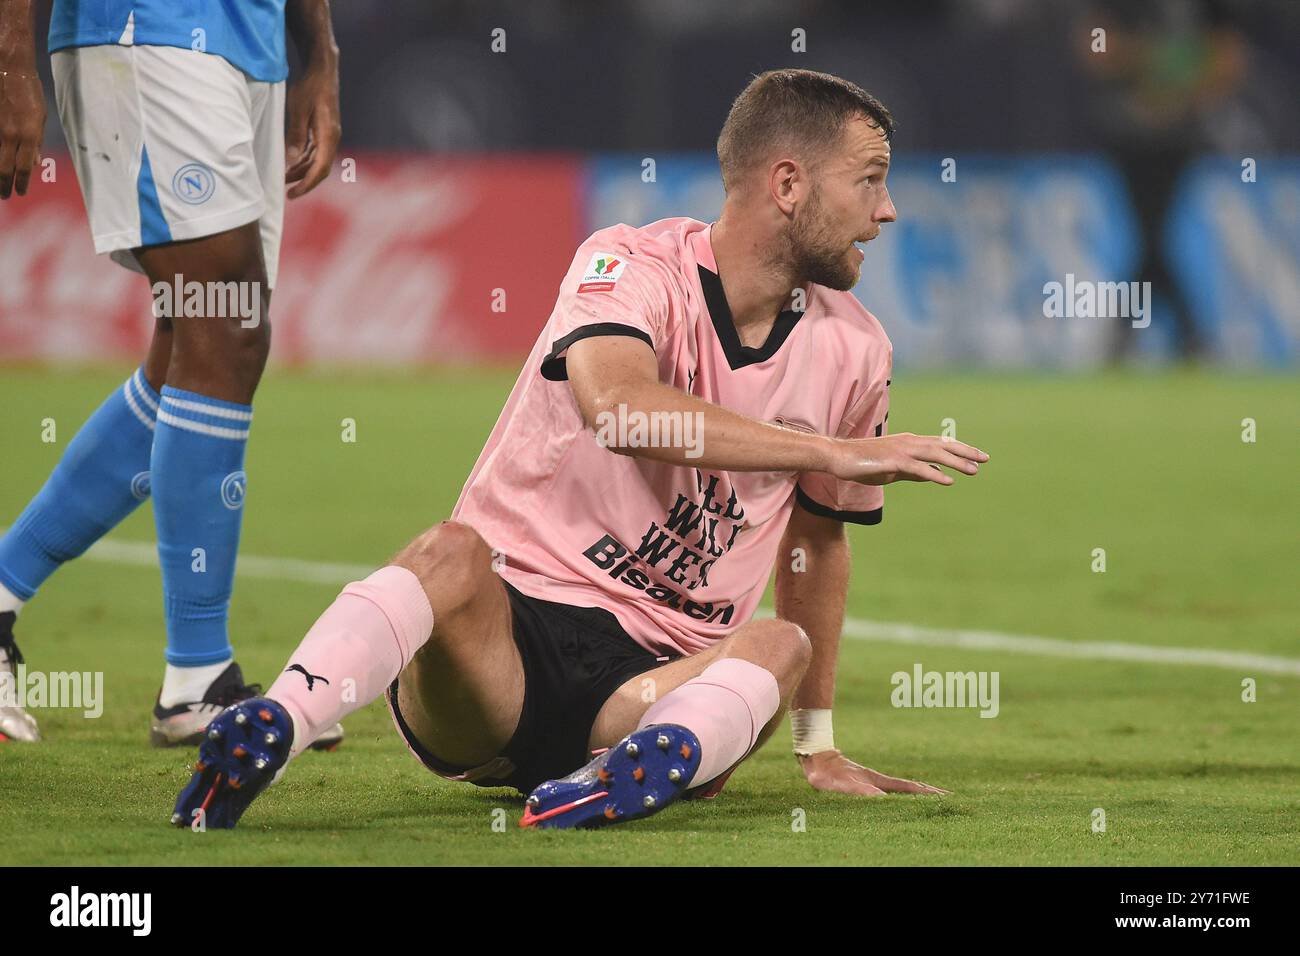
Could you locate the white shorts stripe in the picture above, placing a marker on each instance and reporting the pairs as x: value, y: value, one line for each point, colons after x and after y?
x: 214, y: 410
x: 145, y: 420
x: 216, y: 431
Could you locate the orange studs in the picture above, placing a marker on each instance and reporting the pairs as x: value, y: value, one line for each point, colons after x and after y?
x: 265, y: 714
x: 603, y: 775
x: 611, y: 813
x: 685, y: 751
x: 239, y: 752
x: 638, y: 774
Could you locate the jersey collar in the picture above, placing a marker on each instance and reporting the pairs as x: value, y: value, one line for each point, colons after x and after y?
x: 724, y: 324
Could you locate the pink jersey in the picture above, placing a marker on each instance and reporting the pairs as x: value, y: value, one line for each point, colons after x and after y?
x: 681, y: 556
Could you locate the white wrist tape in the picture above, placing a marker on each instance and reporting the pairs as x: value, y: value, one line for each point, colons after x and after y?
x: 812, y: 732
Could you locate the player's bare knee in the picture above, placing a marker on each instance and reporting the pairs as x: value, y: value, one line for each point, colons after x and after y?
x: 782, y: 647
x: 222, y: 354
x: 247, y: 341
x: 449, y: 559
x: 796, y: 647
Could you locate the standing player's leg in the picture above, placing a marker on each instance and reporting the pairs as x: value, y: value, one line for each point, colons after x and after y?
x: 709, y: 712
x: 101, y: 478
x: 104, y: 474
x: 197, y: 464
x: 438, y: 616
x: 180, y: 161
x: 210, y: 201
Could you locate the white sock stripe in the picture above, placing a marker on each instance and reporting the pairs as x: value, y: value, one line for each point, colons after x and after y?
x: 216, y: 431
x: 131, y: 403
x: 143, y: 391
x: 214, y: 410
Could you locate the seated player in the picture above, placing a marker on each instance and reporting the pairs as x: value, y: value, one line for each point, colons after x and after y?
x: 174, y: 114
x: 595, y: 590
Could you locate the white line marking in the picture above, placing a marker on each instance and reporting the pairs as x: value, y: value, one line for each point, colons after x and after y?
x: 322, y: 572
x: 1055, y: 647
x: 143, y: 554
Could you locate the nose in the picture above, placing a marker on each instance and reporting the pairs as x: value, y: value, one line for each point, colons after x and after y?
x: 886, y: 212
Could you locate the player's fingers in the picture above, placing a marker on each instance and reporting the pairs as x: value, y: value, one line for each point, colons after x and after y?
x: 924, y: 471
x: 913, y: 786
x: 326, y: 133
x: 944, y: 457
x: 841, y: 781
x: 8, y: 154
x: 298, y: 170
x: 27, y: 157
x: 859, y: 786
x: 318, y: 170
x: 296, y: 143
x: 899, y: 785
x: 298, y: 161
x: 965, y: 451
x: 860, y: 783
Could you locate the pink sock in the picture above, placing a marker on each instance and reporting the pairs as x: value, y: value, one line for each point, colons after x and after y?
x: 353, y: 651
x: 725, y: 707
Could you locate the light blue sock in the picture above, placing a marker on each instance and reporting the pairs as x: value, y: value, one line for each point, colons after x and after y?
x: 101, y: 478
x: 198, y: 500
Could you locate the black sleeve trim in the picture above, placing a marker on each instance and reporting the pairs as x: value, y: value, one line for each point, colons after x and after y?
x: 853, y: 517
x: 554, y: 366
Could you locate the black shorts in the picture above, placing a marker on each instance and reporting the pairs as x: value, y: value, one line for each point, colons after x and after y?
x: 574, y: 659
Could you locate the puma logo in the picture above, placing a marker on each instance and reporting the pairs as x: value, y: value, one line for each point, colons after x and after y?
x: 311, y: 678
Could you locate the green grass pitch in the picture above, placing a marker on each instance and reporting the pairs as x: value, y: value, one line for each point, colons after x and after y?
x: 1199, y: 530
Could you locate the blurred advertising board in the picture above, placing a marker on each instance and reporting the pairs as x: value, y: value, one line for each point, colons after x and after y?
x: 1233, y: 237
x: 458, y: 259
x: 417, y: 260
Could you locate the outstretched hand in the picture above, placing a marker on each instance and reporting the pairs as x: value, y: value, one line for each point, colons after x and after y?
x: 831, y: 770
x: 903, y: 457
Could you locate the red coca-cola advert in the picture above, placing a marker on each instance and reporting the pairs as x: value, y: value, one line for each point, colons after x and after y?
x: 392, y: 261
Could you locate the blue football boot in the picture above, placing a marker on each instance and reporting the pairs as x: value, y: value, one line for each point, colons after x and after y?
x: 640, y: 775
x: 244, y: 747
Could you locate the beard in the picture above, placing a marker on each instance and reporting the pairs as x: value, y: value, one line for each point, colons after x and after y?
x: 817, y: 253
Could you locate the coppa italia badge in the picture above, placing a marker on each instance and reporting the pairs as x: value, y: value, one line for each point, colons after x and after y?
x: 601, y: 273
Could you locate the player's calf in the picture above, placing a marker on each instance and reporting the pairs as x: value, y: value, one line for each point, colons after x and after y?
x: 469, y: 674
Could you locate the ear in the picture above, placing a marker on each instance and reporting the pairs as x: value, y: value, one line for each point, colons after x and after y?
x: 787, y: 184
